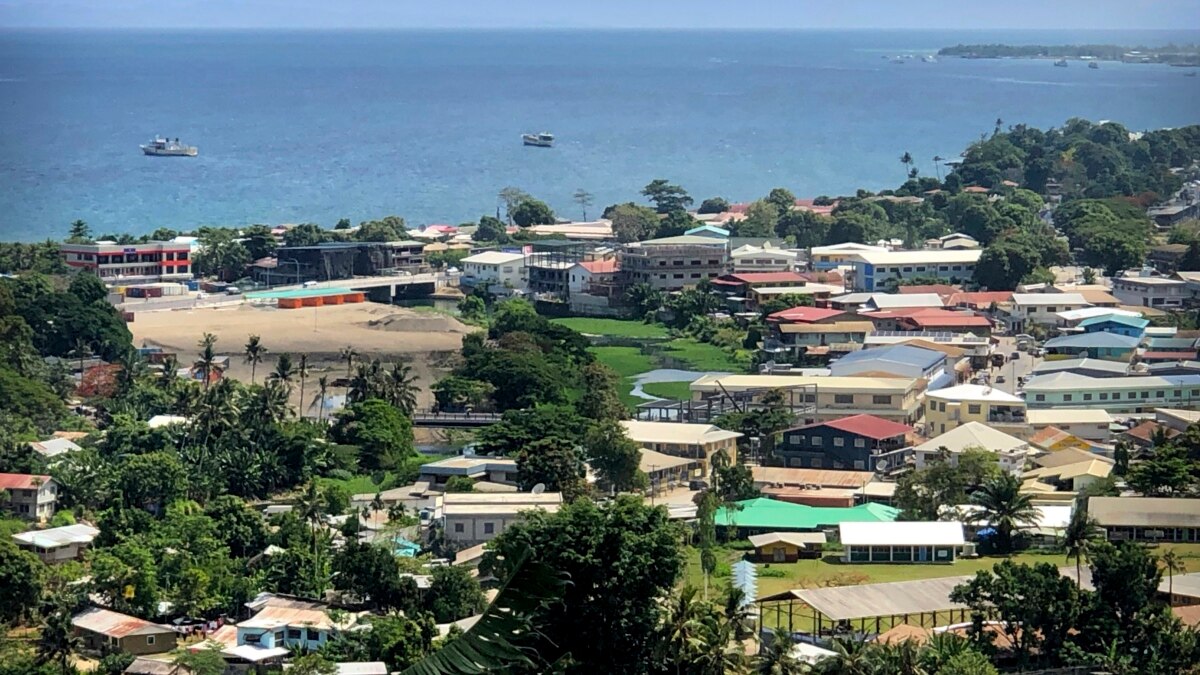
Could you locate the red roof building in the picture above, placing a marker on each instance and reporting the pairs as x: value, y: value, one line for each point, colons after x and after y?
x: 22, y: 481
x: 806, y: 315
x: 601, y: 266
x: 927, y: 318
x: 869, y: 426
x: 942, y: 290
x: 756, y: 278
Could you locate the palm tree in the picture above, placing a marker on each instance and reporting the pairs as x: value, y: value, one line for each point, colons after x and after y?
x: 999, y: 124
x: 302, y: 373
x: 850, y: 657
x: 777, y: 659
x: 683, y: 629
x: 1172, y: 563
x: 1004, y: 507
x: 348, y: 355
x: 310, y: 507
x: 254, y: 352
x: 941, y: 648
x: 584, y: 199
x: 322, y: 388
x: 1081, y: 531
x: 284, y: 370
x: 937, y: 166
x: 907, y: 160
x: 402, y: 387
x: 207, y: 362
x: 58, y: 640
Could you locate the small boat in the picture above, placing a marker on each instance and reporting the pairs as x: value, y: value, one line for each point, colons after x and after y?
x: 165, y: 147
x: 929, y: 59
x: 1061, y: 63
x: 1191, y: 74
x: 898, y: 60
x: 542, y: 140
x: 1093, y: 65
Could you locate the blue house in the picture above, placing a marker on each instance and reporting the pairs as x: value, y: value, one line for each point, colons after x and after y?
x: 285, y: 623
x: 1100, y: 345
x: 1130, y: 326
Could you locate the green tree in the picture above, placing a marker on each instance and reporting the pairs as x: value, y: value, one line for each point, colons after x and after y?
x: 391, y: 228
x: 460, y: 484
x: 20, y: 583
x: 313, y: 664
x: 761, y: 219
x: 490, y: 229
x: 532, y: 212
x: 631, y: 222
x: 920, y: 493
x: 1081, y: 532
x: 454, y: 393
x: 584, y: 199
x: 80, y: 233
x: 555, y: 463
x: 1004, y: 507
x: 782, y: 199
x: 666, y: 197
x: 206, y: 661
x: 306, y: 234
x: 372, y: 573
x: 713, y: 205
x: 453, y: 594
x: 643, y: 299
x: 600, y: 399
x: 620, y: 558
x: 57, y: 639
x: 254, y: 352
x: 512, y: 197
x: 614, y: 457
x: 1168, y: 473
x: 382, y: 433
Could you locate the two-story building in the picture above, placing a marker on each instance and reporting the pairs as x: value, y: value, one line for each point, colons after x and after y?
x: 1042, y: 309
x: 471, y: 518
x: 948, y: 408
x: 595, y: 277
x: 500, y: 268
x: 693, y: 441
x: 1117, y: 395
x: 1091, y: 424
x: 741, y: 286
x: 1010, y: 451
x: 792, y: 340
x: 1148, y: 291
x: 874, y: 270
x: 1072, y: 318
x: 674, y: 263
x: 130, y: 263
x: 29, y: 496
x: 856, y: 442
x: 1153, y: 519
x: 282, y: 624
x: 894, y: 398
x: 479, y: 468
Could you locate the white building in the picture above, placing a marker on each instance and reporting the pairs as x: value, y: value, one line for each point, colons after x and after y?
x: 692, y: 441
x: 495, y: 267
x: 871, y: 269
x: 471, y: 518
x: 831, y: 257
x: 1091, y: 424
x: 1042, y: 308
x: 765, y: 258
x: 1010, y: 450
x: 57, y: 544
x: 1157, y: 292
x: 906, y: 542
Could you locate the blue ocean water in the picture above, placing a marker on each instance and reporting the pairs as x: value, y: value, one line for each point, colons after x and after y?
x: 316, y: 126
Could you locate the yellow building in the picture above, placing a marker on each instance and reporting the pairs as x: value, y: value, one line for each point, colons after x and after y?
x: 691, y: 441
x: 893, y: 398
x: 946, y: 409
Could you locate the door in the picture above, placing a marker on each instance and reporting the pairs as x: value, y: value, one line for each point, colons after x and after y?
x: 779, y: 554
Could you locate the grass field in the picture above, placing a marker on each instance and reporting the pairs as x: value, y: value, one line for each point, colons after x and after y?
x: 827, y: 572
x: 703, y: 356
x: 675, y: 391
x: 613, y: 327
x: 627, y: 361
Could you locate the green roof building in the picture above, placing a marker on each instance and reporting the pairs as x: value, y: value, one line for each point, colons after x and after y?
x: 772, y: 515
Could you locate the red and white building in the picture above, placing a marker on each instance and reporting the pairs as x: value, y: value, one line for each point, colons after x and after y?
x: 121, y: 263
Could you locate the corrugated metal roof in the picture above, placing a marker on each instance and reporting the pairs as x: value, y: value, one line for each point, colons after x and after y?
x: 772, y: 514
x: 778, y: 475
x: 114, y: 624
x: 869, y: 426
x: 907, y: 533
x: 1145, y: 511
x: 801, y: 539
x: 21, y: 481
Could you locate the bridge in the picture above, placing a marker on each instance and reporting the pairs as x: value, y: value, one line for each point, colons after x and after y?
x: 453, y: 420
x: 378, y: 289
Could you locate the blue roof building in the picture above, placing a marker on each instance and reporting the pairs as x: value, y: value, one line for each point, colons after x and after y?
x: 1100, y: 345
x: 709, y: 231
x: 902, y: 360
x: 1131, y: 326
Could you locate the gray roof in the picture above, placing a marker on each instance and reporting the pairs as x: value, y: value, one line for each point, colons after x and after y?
x: 1145, y: 511
x: 1081, y: 364
x: 903, y: 354
x: 1170, y: 342
x: 1093, y: 341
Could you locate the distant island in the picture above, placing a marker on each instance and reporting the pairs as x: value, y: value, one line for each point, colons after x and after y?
x: 1175, y: 55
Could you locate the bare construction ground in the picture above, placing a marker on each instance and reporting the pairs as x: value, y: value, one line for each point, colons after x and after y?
x: 425, y: 339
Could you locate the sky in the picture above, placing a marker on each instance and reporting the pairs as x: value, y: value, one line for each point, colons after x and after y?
x: 681, y: 14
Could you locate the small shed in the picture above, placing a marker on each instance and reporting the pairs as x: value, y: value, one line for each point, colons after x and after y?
x: 787, y: 546
x: 100, y: 628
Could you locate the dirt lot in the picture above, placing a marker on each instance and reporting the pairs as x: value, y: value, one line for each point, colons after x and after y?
x: 425, y: 339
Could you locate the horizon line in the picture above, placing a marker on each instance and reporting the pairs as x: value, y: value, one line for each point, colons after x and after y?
x: 485, y: 29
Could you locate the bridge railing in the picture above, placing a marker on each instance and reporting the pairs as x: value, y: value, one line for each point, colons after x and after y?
x: 431, y: 414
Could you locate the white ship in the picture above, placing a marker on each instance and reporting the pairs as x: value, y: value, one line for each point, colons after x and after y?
x: 542, y: 140
x: 165, y: 147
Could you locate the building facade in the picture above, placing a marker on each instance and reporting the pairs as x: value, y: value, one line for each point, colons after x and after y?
x: 29, y: 496
x: 948, y: 408
x: 131, y: 263
x: 1147, y: 291
x: 858, y: 442
x: 674, y: 263
x: 876, y: 270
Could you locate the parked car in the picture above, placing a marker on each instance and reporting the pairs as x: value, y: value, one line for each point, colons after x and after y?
x: 698, y: 485
x: 233, y: 290
x: 308, y: 284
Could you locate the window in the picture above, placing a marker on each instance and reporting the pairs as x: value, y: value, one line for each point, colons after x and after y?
x: 311, y: 635
x: 860, y: 443
x: 908, y: 269
x: 678, y: 276
x: 843, y: 398
x: 1145, y: 394
x: 957, y: 268
x: 252, y: 638
x: 920, y: 268
x: 1052, y: 310
x: 973, y: 408
x: 458, y: 528
x: 881, y: 400
x: 1066, y: 397
x: 838, y: 441
x: 1039, y: 397
x: 943, y: 268
x: 1104, y: 396
x: 149, y: 639
x: 1131, y: 394
x: 816, y: 462
x: 489, y: 528
x: 1178, y: 393
x: 1159, y: 394
x: 818, y: 440
x: 293, y: 633
x: 1087, y: 397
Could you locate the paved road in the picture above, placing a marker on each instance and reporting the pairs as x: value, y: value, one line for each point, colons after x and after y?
x: 1013, y: 369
